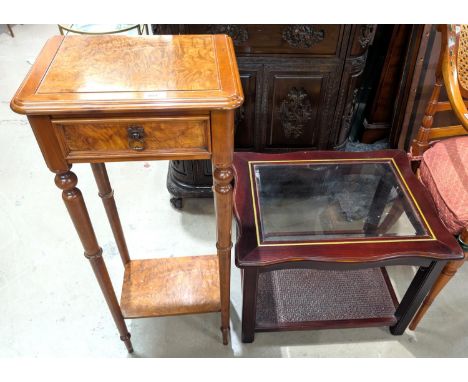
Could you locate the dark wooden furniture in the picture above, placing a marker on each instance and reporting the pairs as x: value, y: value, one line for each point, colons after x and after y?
x: 387, y: 83
x: 300, y: 84
x: 105, y: 98
x: 315, y: 231
x: 445, y: 175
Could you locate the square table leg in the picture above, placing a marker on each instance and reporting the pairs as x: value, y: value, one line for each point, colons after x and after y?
x: 249, y: 303
x: 414, y: 296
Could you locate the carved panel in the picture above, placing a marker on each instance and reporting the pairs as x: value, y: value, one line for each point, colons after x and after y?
x: 349, y: 111
x: 302, y: 36
x: 295, y: 112
x: 300, y: 105
x: 238, y: 33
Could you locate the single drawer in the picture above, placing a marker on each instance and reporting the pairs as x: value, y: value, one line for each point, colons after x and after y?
x: 311, y: 39
x: 124, y: 138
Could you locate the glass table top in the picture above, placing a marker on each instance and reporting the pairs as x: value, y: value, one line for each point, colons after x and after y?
x: 309, y: 201
x: 128, y: 29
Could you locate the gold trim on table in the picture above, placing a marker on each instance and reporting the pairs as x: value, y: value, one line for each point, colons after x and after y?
x: 390, y: 161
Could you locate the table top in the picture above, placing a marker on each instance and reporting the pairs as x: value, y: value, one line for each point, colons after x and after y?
x: 334, y: 206
x: 115, y: 73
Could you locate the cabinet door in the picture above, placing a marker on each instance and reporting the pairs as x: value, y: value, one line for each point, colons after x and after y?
x: 246, y: 116
x: 299, y: 105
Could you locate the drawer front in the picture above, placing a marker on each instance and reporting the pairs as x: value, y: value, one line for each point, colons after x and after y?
x: 312, y: 39
x: 134, y: 137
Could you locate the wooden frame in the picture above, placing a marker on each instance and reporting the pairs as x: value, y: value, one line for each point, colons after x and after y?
x: 249, y: 253
x: 431, y: 252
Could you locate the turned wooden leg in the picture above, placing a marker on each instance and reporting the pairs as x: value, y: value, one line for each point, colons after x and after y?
x: 76, y: 207
x: 223, y: 146
x: 418, y: 289
x: 421, y: 142
x: 447, y: 273
x: 249, y: 303
x: 106, y: 193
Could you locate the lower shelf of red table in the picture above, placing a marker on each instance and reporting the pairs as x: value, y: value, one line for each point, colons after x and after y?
x: 296, y: 299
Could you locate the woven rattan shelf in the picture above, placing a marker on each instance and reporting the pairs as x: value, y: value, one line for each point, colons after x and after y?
x: 310, y: 298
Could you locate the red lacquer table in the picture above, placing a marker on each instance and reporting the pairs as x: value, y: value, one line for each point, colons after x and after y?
x: 316, y: 231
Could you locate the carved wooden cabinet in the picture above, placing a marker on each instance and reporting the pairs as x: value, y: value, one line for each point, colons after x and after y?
x: 300, y: 83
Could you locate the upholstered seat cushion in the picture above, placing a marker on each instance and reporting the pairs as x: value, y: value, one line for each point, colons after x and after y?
x: 444, y: 172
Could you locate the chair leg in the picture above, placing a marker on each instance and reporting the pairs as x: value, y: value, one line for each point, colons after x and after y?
x: 447, y: 273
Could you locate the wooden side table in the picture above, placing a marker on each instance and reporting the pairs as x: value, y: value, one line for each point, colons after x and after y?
x: 96, y: 99
x: 316, y: 231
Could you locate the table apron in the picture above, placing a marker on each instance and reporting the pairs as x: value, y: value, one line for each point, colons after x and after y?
x: 342, y: 265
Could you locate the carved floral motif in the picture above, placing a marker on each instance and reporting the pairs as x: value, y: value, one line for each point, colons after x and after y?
x: 238, y: 33
x: 302, y: 36
x: 350, y: 109
x: 295, y: 112
x: 367, y: 34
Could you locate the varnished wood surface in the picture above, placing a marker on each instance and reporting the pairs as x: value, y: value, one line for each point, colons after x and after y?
x: 223, y: 174
x: 106, y: 193
x: 340, y: 253
x: 94, y: 65
x: 280, y: 39
x: 177, y: 93
x: 78, y: 212
x: 113, y: 73
x: 92, y: 138
x: 170, y: 286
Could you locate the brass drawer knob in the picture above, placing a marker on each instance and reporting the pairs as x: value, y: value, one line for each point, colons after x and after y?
x: 136, y: 138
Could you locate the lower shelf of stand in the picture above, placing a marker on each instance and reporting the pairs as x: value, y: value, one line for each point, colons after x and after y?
x: 170, y: 286
x: 297, y: 299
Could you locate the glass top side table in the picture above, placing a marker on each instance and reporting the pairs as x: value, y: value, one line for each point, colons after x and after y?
x: 128, y: 29
x: 315, y: 231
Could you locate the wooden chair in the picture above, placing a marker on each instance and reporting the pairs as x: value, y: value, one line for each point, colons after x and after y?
x: 442, y: 152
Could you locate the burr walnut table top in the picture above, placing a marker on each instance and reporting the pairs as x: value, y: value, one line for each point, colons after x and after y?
x: 127, y: 73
